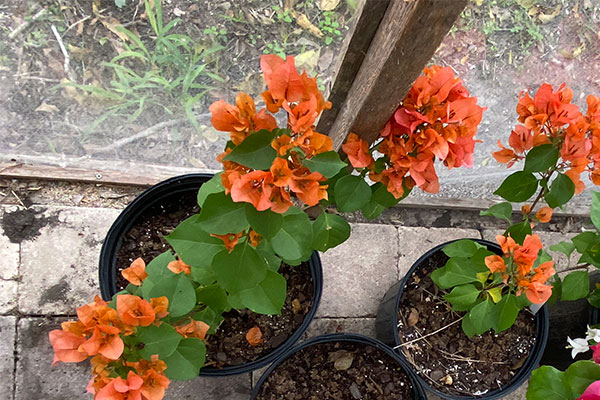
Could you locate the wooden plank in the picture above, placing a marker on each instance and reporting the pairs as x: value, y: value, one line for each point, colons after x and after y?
x: 354, y: 50
x: 409, y: 34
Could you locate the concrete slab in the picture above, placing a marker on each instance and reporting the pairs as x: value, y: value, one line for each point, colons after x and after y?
x: 59, y: 268
x: 414, y: 242
x: 518, y: 394
x: 7, y: 356
x: 548, y: 239
x: 9, y: 257
x: 8, y: 296
x: 35, y: 378
x: 323, y: 326
x: 358, y: 272
x: 229, y: 387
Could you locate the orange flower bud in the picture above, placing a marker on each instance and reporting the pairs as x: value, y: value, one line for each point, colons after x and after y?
x: 544, y: 214
x: 254, y: 336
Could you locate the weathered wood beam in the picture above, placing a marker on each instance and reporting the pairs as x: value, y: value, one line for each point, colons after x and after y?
x: 355, y: 48
x: 407, y: 37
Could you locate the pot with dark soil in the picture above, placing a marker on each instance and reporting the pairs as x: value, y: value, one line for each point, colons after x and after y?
x: 422, y: 326
x: 139, y: 232
x: 339, y: 366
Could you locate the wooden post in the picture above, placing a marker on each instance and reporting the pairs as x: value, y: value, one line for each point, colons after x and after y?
x: 407, y: 37
x: 354, y: 51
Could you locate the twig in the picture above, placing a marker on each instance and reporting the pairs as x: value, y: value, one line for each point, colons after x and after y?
x: 429, y: 334
x: 26, y: 23
x: 65, y: 54
x: 146, y: 132
x: 74, y: 24
x: 18, y: 199
x: 576, y: 267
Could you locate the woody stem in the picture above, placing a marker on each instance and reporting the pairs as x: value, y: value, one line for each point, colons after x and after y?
x: 576, y: 267
x: 541, y: 194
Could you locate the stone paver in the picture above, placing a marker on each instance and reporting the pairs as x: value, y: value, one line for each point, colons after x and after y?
x: 8, y: 296
x: 357, y: 273
x: 323, y: 326
x: 9, y: 257
x: 414, y: 242
x: 548, y: 239
x: 7, y: 351
x: 59, y: 268
x: 229, y: 387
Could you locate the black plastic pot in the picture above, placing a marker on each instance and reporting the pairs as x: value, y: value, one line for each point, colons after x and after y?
x: 386, y: 326
x: 418, y: 392
x: 161, y: 193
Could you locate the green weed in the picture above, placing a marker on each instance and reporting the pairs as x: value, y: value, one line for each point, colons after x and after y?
x: 330, y: 27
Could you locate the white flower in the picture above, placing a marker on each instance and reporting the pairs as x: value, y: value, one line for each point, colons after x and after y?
x: 578, y: 346
x: 593, y: 334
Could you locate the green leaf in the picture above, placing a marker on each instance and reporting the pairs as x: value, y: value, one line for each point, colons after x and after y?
x: 186, y: 360
x: 548, y: 383
x: 241, y: 269
x: 214, y: 296
x: 518, y: 187
x: 504, y: 313
x: 266, y: 223
x: 461, y: 248
x: 158, y: 266
x: 161, y: 340
x: 457, y: 271
x: 575, y: 286
x: 268, y: 296
x: 214, y: 185
x: 329, y: 230
x: 179, y: 290
x: 265, y: 250
x: 211, y: 318
x: 255, y: 151
x: 372, y: 210
x: 327, y: 164
x: 221, y: 215
x: 595, y: 210
x: 331, y: 182
x: 561, y: 191
x: 382, y: 196
x: 478, y: 321
x: 294, y: 240
x: 556, y: 290
x: 351, y: 193
x: 194, y: 245
x: 594, y: 298
x: 519, y: 231
x: 580, y: 375
x: 583, y: 241
x: 541, y: 158
x: 501, y: 210
x: 462, y: 297
x: 566, y: 248
x: 203, y: 275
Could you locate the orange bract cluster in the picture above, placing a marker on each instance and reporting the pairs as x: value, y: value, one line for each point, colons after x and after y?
x: 299, y: 96
x: 437, y: 118
x: 516, y: 267
x: 549, y: 117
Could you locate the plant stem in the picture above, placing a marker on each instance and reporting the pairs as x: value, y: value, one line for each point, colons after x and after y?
x: 429, y: 334
x: 576, y: 267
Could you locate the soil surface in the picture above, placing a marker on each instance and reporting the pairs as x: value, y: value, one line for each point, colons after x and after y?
x: 448, y: 360
x: 228, y: 346
x: 25, y: 224
x: 337, y: 371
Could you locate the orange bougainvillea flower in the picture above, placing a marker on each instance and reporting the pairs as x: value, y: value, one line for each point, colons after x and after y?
x: 281, y: 77
x: 254, y: 237
x: 105, y: 341
x: 160, y: 305
x: 230, y: 240
x: 526, y: 209
x: 537, y: 292
x: 544, y: 214
x: 526, y: 254
x: 197, y: 329
x: 136, y: 272
x: 154, y: 385
x: 357, y: 151
x: 122, y: 389
x: 254, y: 336
x: 254, y: 188
x: 495, y: 263
x: 178, y: 266
x: 508, y: 244
x: 306, y: 186
x: 66, y: 346
x: 543, y: 272
x: 134, y: 310
x: 97, y: 313
x: 281, y: 172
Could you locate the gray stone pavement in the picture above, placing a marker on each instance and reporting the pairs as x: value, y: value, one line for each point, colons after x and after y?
x: 44, y: 278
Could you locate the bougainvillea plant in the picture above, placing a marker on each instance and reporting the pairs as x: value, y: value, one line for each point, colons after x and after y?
x: 254, y: 216
x: 580, y: 381
x: 557, y: 143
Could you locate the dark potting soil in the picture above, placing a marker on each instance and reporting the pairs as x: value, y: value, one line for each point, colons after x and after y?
x: 228, y: 346
x: 448, y: 360
x: 337, y: 371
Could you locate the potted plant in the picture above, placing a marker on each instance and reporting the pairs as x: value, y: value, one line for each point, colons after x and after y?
x: 470, y: 284
x: 339, y: 366
x: 254, y: 218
